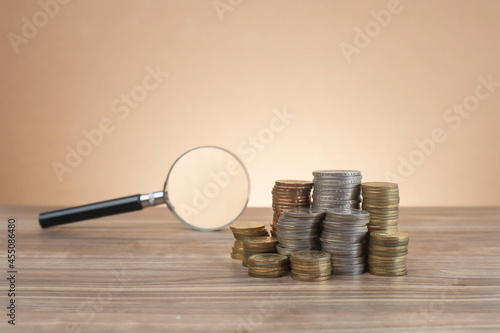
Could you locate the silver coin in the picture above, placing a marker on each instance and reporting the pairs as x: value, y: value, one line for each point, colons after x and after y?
x: 349, y: 272
x: 332, y: 205
x: 354, y: 213
x: 329, y: 198
x: 336, y: 176
x: 345, y: 230
x: 353, y: 186
x: 344, y: 236
x: 325, y: 207
x: 299, y: 221
x: 346, y: 219
x: 336, y: 172
x: 322, y: 188
x: 349, y: 261
x: 344, y: 183
x: 292, y: 236
x: 335, y: 191
x: 304, y: 212
x: 343, y: 247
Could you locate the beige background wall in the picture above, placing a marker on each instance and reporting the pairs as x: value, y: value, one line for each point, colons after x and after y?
x: 229, y: 72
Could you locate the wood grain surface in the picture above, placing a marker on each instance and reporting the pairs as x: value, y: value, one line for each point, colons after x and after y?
x: 147, y: 272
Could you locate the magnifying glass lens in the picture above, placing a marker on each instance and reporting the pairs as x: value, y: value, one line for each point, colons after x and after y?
x: 207, y: 188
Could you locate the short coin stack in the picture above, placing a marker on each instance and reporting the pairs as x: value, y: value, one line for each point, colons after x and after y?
x: 381, y: 199
x: 311, y: 265
x: 242, y: 230
x: 299, y: 229
x: 387, y: 253
x: 336, y: 189
x: 344, y: 235
x: 289, y: 194
x: 255, y: 245
x: 267, y: 265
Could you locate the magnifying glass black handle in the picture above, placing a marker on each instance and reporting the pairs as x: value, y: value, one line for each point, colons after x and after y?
x: 91, y: 211
x: 100, y: 209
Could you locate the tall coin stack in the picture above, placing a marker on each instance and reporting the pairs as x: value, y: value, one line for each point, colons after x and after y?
x: 387, y: 253
x: 255, y: 245
x: 344, y: 234
x: 289, y: 194
x: 381, y: 199
x: 242, y: 230
x: 336, y: 189
x: 267, y: 265
x: 299, y: 229
x: 311, y: 265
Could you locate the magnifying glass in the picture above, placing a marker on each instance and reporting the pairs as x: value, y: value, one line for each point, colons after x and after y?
x: 207, y: 188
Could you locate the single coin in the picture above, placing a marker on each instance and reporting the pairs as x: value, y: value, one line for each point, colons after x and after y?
x: 264, y: 258
x: 247, y: 225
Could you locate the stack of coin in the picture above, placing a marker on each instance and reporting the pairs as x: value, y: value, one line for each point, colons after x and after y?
x: 343, y: 236
x: 255, y: 245
x: 336, y: 189
x: 381, y: 199
x: 311, y: 265
x: 387, y: 253
x: 267, y: 265
x: 289, y: 194
x: 299, y: 229
x: 242, y: 230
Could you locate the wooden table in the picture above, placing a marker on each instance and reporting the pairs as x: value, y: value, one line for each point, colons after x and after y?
x: 147, y: 272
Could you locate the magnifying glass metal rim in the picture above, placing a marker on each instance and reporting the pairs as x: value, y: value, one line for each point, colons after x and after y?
x: 171, y: 207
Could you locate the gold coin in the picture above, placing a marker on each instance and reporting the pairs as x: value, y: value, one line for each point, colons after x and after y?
x: 267, y: 275
x: 238, y: 256
x: 308, y: 255
x: 382, y: 253
x: 381, y: 221
x: 388, y: 247
x: 237, y: 250
x: 257, y: 269
x: 247, y: 225
x: 387, y: 273
x: 259, y: 240
x: 375, y: 194
x: 315, y: 273
x: 385, y: 254
x: 288, y: 182
x: 381, y: 227
x: 398, y: 236
x: 392, y: 268
x: 385, y: 185
x: 244, y: 232
x: 323, y: 266
x: 310, y: 279
x: 268, y: 258
x: 381, y: 207
x: 386, y: 270
x: 397, y: 266
x: 391, y: 247
x: 386, y: 264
